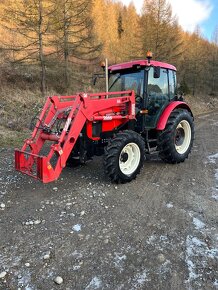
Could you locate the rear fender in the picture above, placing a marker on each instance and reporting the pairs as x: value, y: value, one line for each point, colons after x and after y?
x: 168, y: 110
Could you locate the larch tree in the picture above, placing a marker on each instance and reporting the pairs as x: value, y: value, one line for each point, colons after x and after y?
x: 30, y: 20
x: 214, y: 63
x: 106, y: 17
x: 130, y: 43
x: 99, y: 18
x: 160, y: 31
x: 73, y: 33
x: 195, y: 62
x: 120, y: 29
x: 64, y: 38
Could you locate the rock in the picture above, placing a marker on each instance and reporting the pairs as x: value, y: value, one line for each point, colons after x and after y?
x: 76, y: 228
x: 106, y: 241
x: 27, y: 223
x: 161, y: 258
x: 55, y: 188
x: 46, y: 257
x: 2, y: 205
x: 31, y: 223
x: 82, y: 213
x: 58, y: 280
x: 169, y: 205
x: 3, y: 274
x: 37, y: 222
x: 27, y: 264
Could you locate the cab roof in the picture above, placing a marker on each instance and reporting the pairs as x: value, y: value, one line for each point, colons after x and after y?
x: 142, y: 63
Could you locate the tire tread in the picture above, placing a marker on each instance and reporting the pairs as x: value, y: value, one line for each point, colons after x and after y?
x: 112, y: 151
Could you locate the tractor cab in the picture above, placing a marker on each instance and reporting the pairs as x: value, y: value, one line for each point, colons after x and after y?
x: 154, y: 84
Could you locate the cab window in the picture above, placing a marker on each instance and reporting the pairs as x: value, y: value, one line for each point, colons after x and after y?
x: 125, y: 81
x: 172, y: 84
x: 158, y: 87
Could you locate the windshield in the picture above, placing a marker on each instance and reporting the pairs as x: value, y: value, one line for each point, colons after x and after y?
x: 125, y: 81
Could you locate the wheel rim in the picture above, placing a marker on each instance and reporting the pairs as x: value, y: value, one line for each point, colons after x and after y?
x: 183, y: 137
x: 129, y: 158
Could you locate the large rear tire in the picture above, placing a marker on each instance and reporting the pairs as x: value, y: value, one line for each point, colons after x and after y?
x: 124, y: 156
x: 176, y: 141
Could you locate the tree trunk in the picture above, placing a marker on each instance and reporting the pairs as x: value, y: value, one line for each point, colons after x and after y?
x: 41, y: 54
x: 66, y: 51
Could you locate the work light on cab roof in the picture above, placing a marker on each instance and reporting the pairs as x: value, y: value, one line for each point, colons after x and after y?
x: 149, y: 55
x: 139, y: 114
x: 102, y: 64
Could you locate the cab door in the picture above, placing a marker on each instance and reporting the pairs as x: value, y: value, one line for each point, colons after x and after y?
x: 157, y: 96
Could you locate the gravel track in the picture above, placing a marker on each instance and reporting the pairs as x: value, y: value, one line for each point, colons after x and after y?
x: 158, y: 232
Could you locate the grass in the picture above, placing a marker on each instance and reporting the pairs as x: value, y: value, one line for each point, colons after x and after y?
x: 17, y: 108
x: 11, y: 138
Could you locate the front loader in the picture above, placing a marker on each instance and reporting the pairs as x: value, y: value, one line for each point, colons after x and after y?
x: 141, y: 114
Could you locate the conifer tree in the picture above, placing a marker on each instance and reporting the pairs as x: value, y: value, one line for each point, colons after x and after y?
x: 73, y: 33
x: 160, y: 32
x: 30, y: 20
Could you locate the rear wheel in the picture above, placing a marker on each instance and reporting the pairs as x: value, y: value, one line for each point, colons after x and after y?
x: 175, y: 142
x: 124, y: 156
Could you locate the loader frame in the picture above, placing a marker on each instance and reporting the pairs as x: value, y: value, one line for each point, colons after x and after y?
x: 77, y: 112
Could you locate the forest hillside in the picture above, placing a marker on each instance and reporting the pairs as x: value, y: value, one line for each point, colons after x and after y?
x: 54, y: 46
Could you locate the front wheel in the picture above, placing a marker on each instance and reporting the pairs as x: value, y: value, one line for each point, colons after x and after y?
x: 176, y: 141
x: 124, y: 156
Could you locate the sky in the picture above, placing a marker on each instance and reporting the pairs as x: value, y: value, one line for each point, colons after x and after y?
x: 191, y: 13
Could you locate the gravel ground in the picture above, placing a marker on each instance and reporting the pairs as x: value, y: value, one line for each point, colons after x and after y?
x: 83, y: 232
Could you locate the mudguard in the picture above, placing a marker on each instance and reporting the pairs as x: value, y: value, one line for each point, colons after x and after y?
x: 168, y: 110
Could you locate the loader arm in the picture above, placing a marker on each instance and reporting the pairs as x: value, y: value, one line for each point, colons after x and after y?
x: 74, y: 112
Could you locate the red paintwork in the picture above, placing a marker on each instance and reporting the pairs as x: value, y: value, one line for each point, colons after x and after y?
x: 167, y: 111
x: 130, y: 64
x: 113, y: 109
x: 106, y: 125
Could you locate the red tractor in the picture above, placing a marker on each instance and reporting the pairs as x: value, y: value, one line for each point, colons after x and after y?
x: 140, y: 114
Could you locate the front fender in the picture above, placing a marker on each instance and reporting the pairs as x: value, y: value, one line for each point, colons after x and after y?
x: 161, y: 124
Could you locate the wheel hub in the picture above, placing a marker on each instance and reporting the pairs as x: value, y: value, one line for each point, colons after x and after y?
x: 129, y: 158
x: 124, y: 157
x: 180, y: 136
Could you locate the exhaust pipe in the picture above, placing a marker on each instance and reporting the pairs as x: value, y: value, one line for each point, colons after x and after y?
x: 106, y: 74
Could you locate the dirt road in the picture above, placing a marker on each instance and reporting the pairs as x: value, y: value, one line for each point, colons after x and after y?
x: 157, y: 232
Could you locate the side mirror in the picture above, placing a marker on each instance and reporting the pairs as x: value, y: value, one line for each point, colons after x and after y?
x: 156, y: 72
